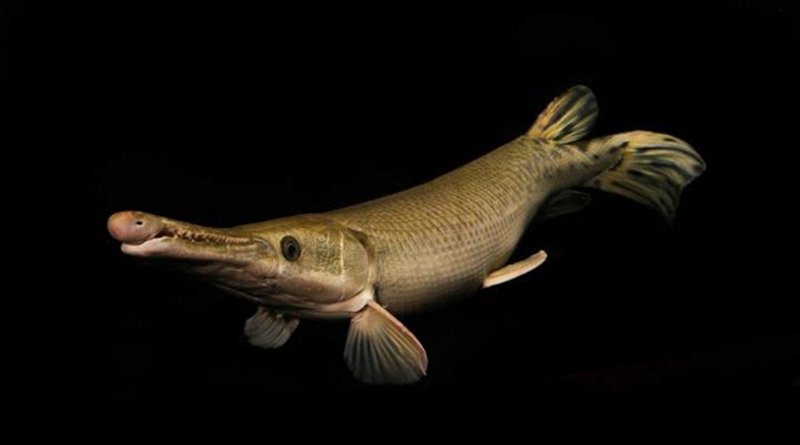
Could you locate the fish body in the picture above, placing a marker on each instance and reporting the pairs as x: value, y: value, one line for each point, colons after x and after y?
x: 442, y: 239
x: 422, y: 247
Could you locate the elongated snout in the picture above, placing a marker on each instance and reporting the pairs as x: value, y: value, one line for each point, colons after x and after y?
x: 146, y: 235
x: 134, y: 227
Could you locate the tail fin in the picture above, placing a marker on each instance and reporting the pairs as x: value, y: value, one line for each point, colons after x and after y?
x: 651, y: 169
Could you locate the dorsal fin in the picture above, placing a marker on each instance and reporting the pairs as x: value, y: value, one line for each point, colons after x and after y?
x: 568, y: 118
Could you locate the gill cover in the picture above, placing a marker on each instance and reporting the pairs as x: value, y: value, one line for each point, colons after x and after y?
x: 318, y: 260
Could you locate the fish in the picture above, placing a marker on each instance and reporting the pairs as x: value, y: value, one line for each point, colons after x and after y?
x: 421, y: 248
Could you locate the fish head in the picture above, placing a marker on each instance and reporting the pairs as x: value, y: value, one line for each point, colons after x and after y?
x: 303, y: 261
x: 316, y: 260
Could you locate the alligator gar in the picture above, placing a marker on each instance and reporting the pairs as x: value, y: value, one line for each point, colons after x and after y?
x: 418, y: 248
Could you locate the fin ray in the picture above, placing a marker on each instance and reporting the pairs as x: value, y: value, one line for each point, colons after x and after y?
x: 651, y: 168
x: 515, y: 270
x: 381, y: 350
x: 568, y: 118
x: 269, y: 330
x: 564, y: 203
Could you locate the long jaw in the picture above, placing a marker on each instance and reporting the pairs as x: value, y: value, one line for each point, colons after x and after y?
x: 151, y: 236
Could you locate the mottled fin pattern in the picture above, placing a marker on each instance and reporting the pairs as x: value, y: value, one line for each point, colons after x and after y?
x: 269, y: 330
x: 514, y: 270
x: 650, y: 168
x: 568, y: 118
x: 380, y: 350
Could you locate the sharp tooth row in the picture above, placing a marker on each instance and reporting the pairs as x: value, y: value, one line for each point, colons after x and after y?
x: 195, y: 236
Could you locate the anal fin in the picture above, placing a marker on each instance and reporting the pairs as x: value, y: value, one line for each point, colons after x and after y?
x: 269, y: 330
x: 381, y: 350
x: 564, y: 203
x: 514, y: 270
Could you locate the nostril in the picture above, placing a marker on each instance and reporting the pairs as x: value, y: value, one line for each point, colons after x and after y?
x: 133, y: 227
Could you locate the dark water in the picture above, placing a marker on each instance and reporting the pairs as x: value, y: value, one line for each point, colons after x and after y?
x: 224, y: 115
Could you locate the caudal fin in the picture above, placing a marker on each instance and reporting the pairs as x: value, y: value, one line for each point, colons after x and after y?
x: 651, y: 168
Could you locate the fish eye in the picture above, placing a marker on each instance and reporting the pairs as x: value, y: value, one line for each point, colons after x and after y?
x: 290, y: 248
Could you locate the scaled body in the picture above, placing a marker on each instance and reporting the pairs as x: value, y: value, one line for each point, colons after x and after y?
x: 422, y: 247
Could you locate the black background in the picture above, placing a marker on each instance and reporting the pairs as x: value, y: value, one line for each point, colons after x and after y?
x: 227, y: 113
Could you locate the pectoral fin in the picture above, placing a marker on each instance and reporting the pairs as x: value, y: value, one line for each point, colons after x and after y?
x: 511, y: 271
x: 269, y: 330
x: 380, y: 350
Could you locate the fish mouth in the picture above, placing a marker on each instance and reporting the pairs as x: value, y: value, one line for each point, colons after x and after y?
x: 152, y: 236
